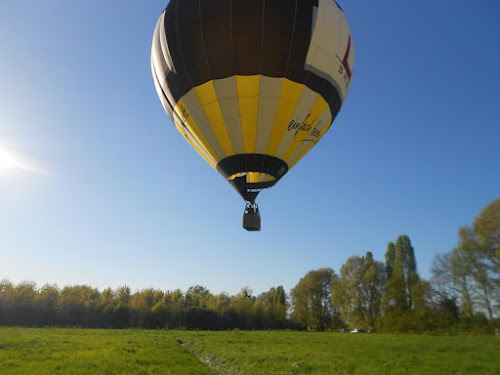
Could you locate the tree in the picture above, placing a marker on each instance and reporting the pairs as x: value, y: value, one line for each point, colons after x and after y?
x: 357, y: 292
x: 483, y: 248
x: 390, y: 257
x: 270, y: 308
x: 198, y: 297
x: 6, y: 299
x: 449, y: 290
x: 122, y: 311
x: 17, y: 303
x: 404, y: 295
x: 486, y: 228
x: 409, y: 264
x: 142, y: 303
x: 395, y: 297
x: 403, y: 284
x: 123, y: 295
x: 280, y: 307
x: 311, y: 300
x: 373, y: 281
x: 243, y: 305
x: 46, y: 300
x: 472, y: 268
x: 77, y: 305
x: 471, y: 261
x: 172, y: 308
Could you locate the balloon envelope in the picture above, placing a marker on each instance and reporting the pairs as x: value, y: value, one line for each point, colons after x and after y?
x: 252, y: 85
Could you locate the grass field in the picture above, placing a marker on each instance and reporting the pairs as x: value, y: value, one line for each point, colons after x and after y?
x: 84, y: 351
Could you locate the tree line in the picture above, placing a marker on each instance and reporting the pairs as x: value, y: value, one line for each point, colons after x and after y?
x: 463, y: 295
x: 85, y: 306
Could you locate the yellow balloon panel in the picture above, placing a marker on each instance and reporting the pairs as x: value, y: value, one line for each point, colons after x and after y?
x: 279, y: 123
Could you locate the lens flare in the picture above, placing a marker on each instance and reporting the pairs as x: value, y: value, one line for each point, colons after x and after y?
x: 12, y: 162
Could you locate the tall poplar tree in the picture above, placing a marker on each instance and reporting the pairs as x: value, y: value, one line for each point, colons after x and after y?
x: 395, y: 297
x: 409, y: 264
x: 390, y: 256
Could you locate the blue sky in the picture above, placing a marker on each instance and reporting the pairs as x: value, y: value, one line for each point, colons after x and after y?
x: 97, y: 187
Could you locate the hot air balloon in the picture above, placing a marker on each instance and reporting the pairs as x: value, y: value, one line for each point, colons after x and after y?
x: 252, y: 85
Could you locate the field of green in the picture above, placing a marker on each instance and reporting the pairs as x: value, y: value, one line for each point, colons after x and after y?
x: 85, y: 351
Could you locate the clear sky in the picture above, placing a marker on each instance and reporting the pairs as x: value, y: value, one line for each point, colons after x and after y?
x: 97, y: 186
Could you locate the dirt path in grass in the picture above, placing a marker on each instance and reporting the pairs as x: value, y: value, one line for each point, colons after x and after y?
x: 210, y: 360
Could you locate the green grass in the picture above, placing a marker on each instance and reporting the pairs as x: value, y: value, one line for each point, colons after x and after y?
x: 83, y: 351
x: 335, y: 353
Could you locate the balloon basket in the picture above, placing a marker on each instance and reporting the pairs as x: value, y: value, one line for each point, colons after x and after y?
x: 251, y: 217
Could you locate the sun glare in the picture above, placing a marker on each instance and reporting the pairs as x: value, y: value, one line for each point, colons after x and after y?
x: 10, y: 162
